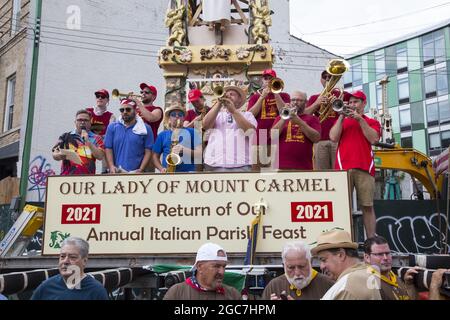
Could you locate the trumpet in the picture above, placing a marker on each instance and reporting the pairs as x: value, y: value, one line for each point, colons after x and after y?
x: 276, y: 85
x: 116, y: 94
x: 287, y: 112
x: 218, y: 92
x: 340, y: 107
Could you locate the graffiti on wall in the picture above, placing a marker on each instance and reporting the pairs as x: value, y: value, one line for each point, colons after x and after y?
x: 418, y: 234
x: 40, y: 169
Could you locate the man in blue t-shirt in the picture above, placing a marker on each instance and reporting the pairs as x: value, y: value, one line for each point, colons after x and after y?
x: 184, y: 142
x: 128, y: 141
x: 71, y: 283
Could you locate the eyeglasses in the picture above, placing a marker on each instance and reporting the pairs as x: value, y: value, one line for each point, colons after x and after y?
x: 122, y: 110
x: 381, y: 254
x: 99, y: 96
x: 326, y: 77
x: 146, y: 92
x: 176, y: 114
x: 83, y: 120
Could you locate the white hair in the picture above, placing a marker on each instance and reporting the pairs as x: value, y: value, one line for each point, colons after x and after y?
x: 81, y: 244
x: 299, y: 247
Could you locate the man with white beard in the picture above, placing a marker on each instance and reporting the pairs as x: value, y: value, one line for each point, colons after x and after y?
x: 300, y: 281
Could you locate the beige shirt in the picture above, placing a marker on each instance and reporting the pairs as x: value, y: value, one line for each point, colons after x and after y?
x: 355, y: 283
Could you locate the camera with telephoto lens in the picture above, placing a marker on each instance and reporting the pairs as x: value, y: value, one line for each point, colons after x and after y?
x: 422, y: 280
x: 174, y: 277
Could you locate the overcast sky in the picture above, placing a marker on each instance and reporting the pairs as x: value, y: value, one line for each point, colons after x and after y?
x: 347, y: 26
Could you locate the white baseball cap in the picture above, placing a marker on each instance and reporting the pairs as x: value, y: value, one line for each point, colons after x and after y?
x: 209, y: 252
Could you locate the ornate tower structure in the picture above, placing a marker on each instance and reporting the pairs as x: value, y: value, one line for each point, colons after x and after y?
x: 215, y: 42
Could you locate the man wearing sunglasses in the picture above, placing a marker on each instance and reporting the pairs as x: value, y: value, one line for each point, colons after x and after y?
x: 231, y: 131
x: 100, y: 116
x: 151, y: 114
x: 128, y: 141
x: 188, y: 142
x: 325, y: 149
x: 79, y: 149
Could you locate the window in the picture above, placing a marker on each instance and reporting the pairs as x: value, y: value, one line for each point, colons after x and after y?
x: 348, y: 79
x: 403, y: 90
x: 433, y: 48
x: 357, y: 74
x: 15, y: 19
x: 402, y: 60
x: 439, y: 46
x: 444, y: 111
x: 379, y: 97
x: 405, y: 118
x: 441, y: 81
x: 438, y: 141
x: 380, y: 65
x: 9, y: 108
x: 430, y: 84
x: 406, y: 142
x: 432, y: 114
x: 445, y: 142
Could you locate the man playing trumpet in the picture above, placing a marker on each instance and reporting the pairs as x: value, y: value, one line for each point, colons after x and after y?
x: 231, y: 131
x: 176, y: 140
x: 294, y: 133
x: 355, y: 134
x: 265, y: 106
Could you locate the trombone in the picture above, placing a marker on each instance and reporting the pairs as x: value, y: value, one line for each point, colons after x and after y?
x: 116, y: 94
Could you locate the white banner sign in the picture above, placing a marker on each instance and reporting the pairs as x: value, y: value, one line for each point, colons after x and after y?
x: 171, y: 214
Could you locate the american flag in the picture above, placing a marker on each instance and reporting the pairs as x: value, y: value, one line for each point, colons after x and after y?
x: 440, y: 163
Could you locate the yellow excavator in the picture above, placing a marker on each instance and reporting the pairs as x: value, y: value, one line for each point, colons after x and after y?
x: 414, y: 162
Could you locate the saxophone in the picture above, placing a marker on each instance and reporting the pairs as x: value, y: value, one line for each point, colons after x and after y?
x: 173, y: 159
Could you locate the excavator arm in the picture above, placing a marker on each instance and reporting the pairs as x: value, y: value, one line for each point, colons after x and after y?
x: 413, y: 162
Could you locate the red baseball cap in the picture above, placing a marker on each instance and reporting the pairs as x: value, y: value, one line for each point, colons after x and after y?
x: 128, y: 102
x: 102, y: 91
x: 151, y: 88
x: 270, y: 72
x: 358, y: 95
x: 194, y: 95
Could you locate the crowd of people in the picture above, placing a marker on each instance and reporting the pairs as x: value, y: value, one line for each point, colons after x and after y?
x: 234, y: 134
x: 271, y: 130
x: 343, y: 276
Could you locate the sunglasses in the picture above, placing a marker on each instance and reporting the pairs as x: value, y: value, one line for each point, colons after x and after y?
x: 327, y: 77
x: 122, y: 110
x: 146, y: 92
x: 99, y: 96
x: 176, y: 114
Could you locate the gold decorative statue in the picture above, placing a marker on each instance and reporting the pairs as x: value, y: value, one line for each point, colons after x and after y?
x: 174, y: 21
x: 261, y: 22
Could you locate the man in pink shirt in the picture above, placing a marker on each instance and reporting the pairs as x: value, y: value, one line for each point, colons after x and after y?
x: 231, y: 131
x: 355, y: 135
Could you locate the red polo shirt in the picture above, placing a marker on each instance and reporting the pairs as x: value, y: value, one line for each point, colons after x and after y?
x: 354, y: 150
